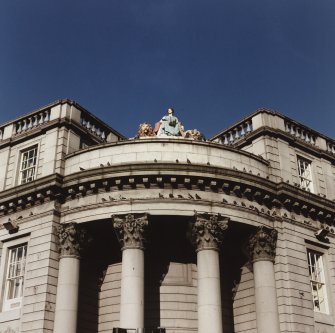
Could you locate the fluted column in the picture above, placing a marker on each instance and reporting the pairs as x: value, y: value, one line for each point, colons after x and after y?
x: 262, y: 251
x: 130, y: 231
x: 207, y: 233
x: 71, y: 241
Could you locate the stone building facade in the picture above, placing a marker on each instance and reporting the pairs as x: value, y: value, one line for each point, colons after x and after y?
x: 165, y: 233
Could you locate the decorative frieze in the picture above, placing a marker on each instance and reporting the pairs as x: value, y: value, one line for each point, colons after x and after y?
x: 262, y: 245
x: 207, y: 231
x: 72, y: 240
x: 130, y: 230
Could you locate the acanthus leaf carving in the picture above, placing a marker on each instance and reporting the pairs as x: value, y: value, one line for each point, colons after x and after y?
x: 262, y: 245
x: 72, y: 239
x: 130, y: 229
x: 207, y: 231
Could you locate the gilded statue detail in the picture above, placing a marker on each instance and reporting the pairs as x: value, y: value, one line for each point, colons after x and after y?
x: 145, y: 130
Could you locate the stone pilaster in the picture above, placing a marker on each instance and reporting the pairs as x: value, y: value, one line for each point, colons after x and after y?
x: 262, y: 245
x: 261, y: 249
x: 130, y: 230
x: 206, y: 235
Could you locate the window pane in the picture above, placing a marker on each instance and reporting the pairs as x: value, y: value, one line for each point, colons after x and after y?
x: 15, y: 272
x: 28, y: 165
x: 305, y: 176
x: 317, y: 279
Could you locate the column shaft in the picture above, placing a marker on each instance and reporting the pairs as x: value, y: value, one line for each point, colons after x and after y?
x: 262, y: 251
x: 130, y: 230
x: 209, y: 292
x: 267, y: 317
x: 67, y: 295
x: 132, y: 289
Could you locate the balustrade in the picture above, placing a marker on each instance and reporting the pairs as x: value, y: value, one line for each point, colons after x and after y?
x: 234, y: 134
x: 331, y: 147
x: 32, y: 121
x: 93, y: 127
x: 300, y: 132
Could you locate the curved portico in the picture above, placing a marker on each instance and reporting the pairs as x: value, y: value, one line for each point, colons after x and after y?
x: 154, y: 180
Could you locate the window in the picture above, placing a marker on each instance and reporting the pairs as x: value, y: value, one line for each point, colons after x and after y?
x: 305, y: 174
x: 28, y: 165
x: 14, y: 277
x: 317, y: 280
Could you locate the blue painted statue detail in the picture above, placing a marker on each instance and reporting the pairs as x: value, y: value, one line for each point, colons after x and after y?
x: 169, y: 125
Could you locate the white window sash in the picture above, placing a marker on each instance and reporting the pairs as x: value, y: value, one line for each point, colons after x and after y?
x: 14, y: 279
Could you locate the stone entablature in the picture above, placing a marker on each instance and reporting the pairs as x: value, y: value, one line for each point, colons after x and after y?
x: 247, y: 191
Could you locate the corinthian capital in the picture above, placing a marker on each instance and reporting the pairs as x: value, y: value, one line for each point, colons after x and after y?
x: 262, y: 245
x: 207, y: 231
x: 72, y: 239
x: 130, y: 230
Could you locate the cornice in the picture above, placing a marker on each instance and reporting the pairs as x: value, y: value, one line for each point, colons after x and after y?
x: 26, y: 195
x: 238, y: 184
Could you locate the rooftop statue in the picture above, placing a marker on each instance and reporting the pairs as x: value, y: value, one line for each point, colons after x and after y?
x: 169, y: 125
x: 145, y: 130
x: 194, y: 134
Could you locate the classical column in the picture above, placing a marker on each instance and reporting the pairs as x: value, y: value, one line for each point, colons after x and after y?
x: 71, y: 240
x: 130, y: 230
x: 207, y: 233
x: 262, y: 251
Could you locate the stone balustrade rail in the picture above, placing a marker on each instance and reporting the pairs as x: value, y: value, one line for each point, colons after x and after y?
x: 31, y: 121
x: 300, y: 132
x: 331, y: 147
x: 235, y: 133
x: 92, y: 125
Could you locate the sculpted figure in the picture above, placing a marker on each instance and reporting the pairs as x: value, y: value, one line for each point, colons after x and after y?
x: 144, y: 130
x: 194, y: 134
x: 169, y: 125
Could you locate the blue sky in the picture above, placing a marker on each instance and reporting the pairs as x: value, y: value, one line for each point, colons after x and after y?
x: 213, y: 61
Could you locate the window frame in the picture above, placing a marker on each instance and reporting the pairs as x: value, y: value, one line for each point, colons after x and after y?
x: 317, y: 277
x: 21, y: 169
x: 320, y: 317
x: 5, y: 304
x: 302, y: 178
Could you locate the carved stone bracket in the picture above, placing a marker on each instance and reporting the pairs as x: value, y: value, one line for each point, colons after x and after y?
x: 72, y: 239
x: 130, y: 230
x: 207, y: 231
x: 262, y: 245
